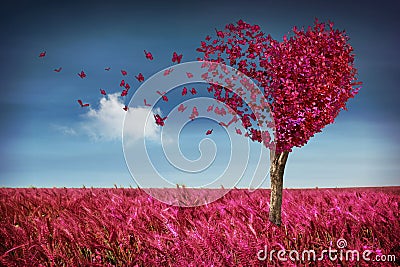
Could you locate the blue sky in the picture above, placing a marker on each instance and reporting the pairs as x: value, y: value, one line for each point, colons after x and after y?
x: 48, y: 140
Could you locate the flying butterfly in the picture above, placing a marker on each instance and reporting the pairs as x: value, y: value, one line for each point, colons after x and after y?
x: 81, y: 103
x: 184, y: 91
x: 145, y: 103
x: 176, y: 58
x: 168, y: 71
x: 82, y: 74
x: 148, y: 55
x: 159, y: 120
x: 182, y: 108
x: 140, y: 77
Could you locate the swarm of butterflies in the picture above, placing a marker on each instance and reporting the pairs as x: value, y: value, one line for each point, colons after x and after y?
x: 125, y: 86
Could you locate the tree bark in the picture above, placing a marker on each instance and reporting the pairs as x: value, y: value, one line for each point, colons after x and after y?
x: 277, y: 168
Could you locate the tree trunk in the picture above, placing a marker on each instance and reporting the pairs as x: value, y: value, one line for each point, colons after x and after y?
x: 277, y: 168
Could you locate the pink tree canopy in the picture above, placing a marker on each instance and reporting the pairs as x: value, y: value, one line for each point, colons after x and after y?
x: 307, y: 78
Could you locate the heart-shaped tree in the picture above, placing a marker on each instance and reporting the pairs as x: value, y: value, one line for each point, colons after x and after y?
x: 307, y: 79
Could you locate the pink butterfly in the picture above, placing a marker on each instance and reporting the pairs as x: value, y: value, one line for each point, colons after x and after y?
x: 58, y: 70
x: 209, y: 132
x: 125, y: 108
x: 146, y: 104
x: 210, y: 108
x: 159, y: 120
x: 234, y: 119
x: 122, y: 83
x: 220, y: 33
x: 103, y: 92
x: 124, y: 92
x: 148, y: 55
x: 107, y: 69
x: 42, y: 54
x: 182, y: 108
x: 208, y: 38
x: 124, y: 72
x: 193, y: 91
x: 127, y: 86
x: 176, y: 58
x: 189, y: 75
x: 82, y: 74
x: 160, y: 93
x: 184, y: 91
x: 81, y: 103
x: 168, y: 71
x: 165, y: 98
x: 140, y: 77
x: 194, y: 114
x: 238, y: 131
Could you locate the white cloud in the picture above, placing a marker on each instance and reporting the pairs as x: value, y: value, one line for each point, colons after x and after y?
x: 106, y: 122
x: 64, y: 129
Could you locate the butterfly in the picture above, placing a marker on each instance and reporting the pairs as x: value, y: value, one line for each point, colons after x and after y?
x: 159, y: 120
x: 124, y: 72
x: 125, y: 108
x: 189, y: 75
x: 145, y: 103
x: 220, y: 34
x: 42, y: 54
x: 160, y: 93
x: 168, y: 71
x: 165, y: 98
x: 148, y: 55
x: 103, y: 92
x: 193, y: 91
x: 184, y: 91
x: 81, y: 103
x: 176, y: 58
x: 209, y: 132
x: 194, y: 114
x: 182, y: 108
x: 122, y: 83
x: 234, y: 119
x: 238, y: 131
x: 82, y: 74
x: 140, y: 77
x: 107, y: 69
x: 58, y: 70
x: 208, y: 38
x: 124, y: 92
x: 127, y: 86
x: 210, y: 108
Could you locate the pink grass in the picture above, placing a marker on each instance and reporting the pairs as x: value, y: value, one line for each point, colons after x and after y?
x: 126, y: 227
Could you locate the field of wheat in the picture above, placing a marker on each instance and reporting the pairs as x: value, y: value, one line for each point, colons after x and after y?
x: 127, y: 227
